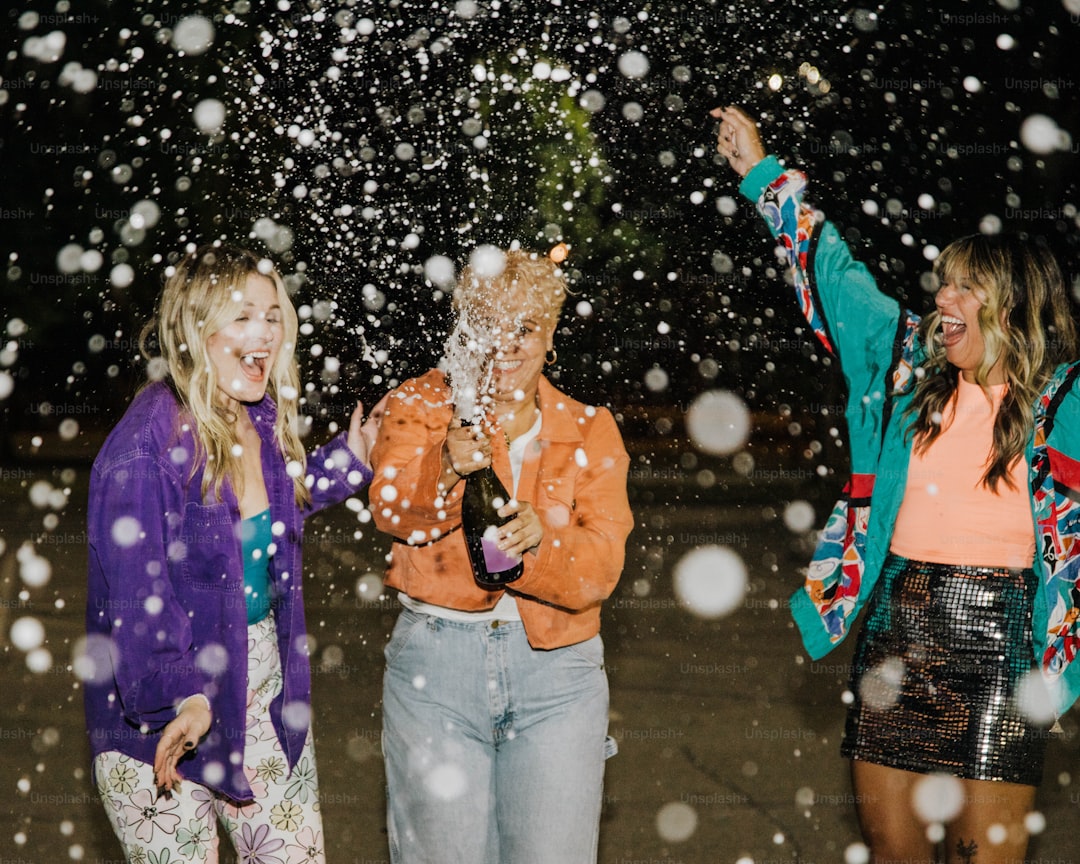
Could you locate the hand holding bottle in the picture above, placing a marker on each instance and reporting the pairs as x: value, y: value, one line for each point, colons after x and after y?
x: 523, y: 532
x: 498, y: 529
x: 467, y: 449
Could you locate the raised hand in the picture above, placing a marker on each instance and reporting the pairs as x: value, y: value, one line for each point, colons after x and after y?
x: 362, y: 434
x: 738, y: 140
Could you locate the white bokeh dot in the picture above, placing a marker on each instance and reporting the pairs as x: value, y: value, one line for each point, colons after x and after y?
x: 718, y: 422
x: 447, y: 781
x: 676, y: 822
x: 937, y: 798
x: 125, y: 531
x: 27, y: 633
x: 799, y: 516
x: 710, y: 581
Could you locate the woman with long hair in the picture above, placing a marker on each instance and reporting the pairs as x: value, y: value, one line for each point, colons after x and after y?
x: 959, y: 532
x: 198, y: 665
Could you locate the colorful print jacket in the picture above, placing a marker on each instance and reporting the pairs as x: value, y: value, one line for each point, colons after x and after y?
x: 879, y: 348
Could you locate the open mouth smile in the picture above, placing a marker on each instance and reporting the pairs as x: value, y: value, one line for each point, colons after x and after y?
x: 253, y: 364
x: 952, y: 330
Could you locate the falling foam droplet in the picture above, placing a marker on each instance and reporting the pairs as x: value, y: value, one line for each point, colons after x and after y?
x: 938, y: 798
x: 193, y: 35
x: 710, y: 581
x: 718, y: 422
x: 676, y: 822
x: 27, y: 633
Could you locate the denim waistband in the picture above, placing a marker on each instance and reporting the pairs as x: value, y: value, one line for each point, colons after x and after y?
x: 437, y: 622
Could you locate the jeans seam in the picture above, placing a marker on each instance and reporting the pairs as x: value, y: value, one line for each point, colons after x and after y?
x: 578, y: 653
x: 405, y: 639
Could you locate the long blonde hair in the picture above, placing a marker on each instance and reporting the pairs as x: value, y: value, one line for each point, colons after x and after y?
x: 201, y: 295
x: 1019, y: 282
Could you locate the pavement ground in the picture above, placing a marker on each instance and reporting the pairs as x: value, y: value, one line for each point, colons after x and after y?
x: 728, y: 735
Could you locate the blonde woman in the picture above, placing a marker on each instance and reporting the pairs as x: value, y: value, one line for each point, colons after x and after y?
x: 495, y: 702
x: 963, y: 528
x: 195, y: 616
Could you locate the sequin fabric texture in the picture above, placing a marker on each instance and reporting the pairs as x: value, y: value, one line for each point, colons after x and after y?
x: 938, y: 672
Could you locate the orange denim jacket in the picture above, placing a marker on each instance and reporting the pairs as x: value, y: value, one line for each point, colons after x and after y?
x: 574, y: 475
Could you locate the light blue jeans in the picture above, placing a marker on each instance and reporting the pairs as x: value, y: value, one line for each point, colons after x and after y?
x: 494, y: 751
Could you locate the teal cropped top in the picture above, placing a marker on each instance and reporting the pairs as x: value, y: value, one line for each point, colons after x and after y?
x: 255, y: 541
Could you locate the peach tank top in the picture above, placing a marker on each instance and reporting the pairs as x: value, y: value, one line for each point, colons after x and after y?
x: 948, y: 516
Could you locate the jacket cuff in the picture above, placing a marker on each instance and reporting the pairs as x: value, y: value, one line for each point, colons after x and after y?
x: 543, y: 558
x: 815, y: 639
x: 425, y: 511
x: 346, y: 462
x: 183, y: 702
x: 759, y: 177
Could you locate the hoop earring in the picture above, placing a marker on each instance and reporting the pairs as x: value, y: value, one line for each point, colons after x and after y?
x: 550, y: 356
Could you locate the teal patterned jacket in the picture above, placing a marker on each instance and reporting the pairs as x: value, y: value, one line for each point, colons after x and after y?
x: 878, y: 346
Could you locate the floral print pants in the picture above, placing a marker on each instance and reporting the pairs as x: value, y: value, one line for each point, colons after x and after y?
x: 282, y: 825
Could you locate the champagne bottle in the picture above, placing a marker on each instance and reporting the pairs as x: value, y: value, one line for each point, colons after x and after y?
x: 484, y: 494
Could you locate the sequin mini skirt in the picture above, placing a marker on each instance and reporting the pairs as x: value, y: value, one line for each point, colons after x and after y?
x: 937, y: 674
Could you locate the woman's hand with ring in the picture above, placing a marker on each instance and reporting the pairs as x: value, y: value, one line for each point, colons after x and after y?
x: 738, y: 140
x: 177, y: 738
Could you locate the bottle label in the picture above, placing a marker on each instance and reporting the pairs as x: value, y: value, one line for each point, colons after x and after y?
x: 495, y: 560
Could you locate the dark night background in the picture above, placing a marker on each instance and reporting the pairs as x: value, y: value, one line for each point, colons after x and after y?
x: 360, y: 140
x: 353, y: 127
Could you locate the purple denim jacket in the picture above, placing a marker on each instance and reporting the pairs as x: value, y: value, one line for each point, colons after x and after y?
x: 165, y: 615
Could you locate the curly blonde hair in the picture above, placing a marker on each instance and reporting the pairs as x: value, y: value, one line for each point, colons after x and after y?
x: 1020, y: 284
x: 529, y: 283
x: 201, y: 295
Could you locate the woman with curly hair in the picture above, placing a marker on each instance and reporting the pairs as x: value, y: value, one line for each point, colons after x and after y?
x: 495, y: 699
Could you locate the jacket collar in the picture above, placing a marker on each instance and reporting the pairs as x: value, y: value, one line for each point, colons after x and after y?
x: 559, y: 422
x: 264, y: 415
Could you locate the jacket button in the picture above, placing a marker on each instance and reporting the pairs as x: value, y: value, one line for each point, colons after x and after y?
x: 494, y: 625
